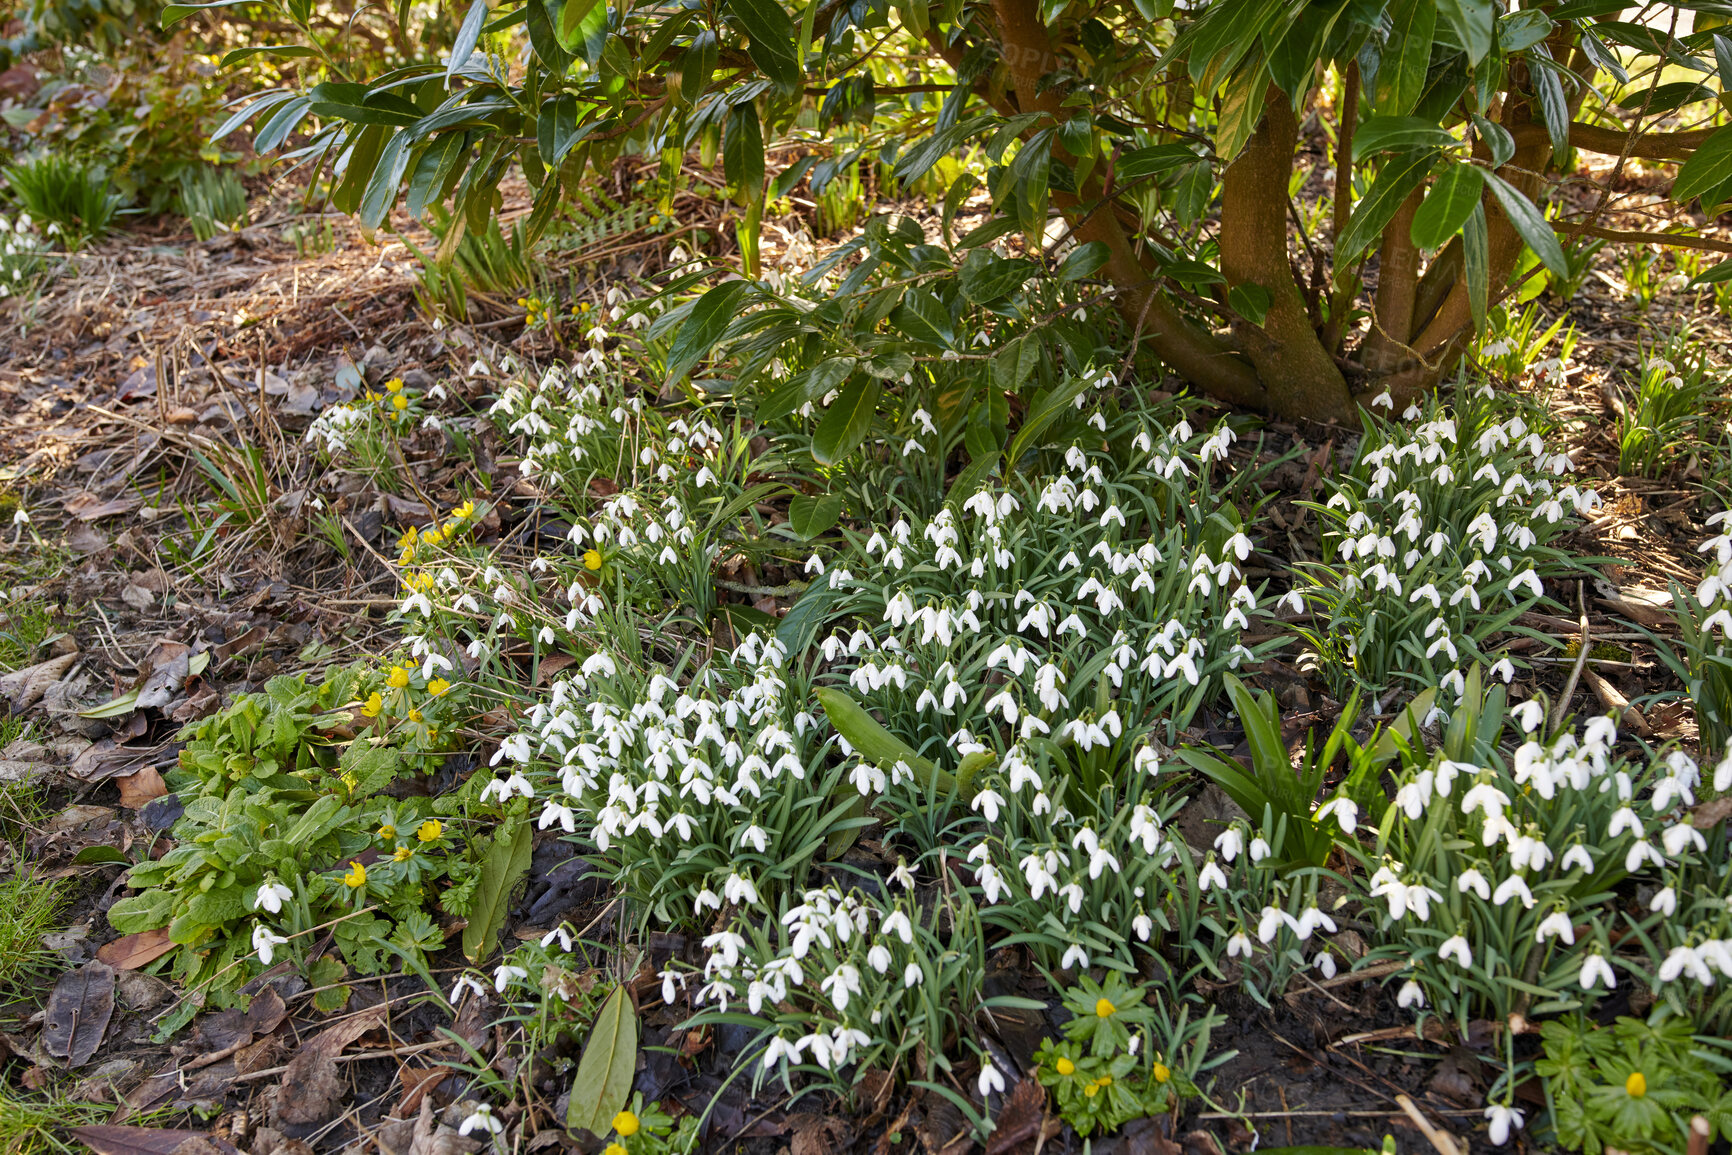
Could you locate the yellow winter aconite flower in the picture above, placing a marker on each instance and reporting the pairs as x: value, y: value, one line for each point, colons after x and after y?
x: 1636, y: 1085
x: 399, y: 402
x: 626, y: 1124
x: 591, y: 559
x: 1104, y: 1008
x: 1092, y: 1090
x: 1064, y: 1066
x: 387, y: 831
x: 373, y: 705
x: 357, y: 876
x: 1161, y: 1073
x: 1105, y: 1080
x: 429, y: 830
x: 432, y: 536
x: 402, y: 854
x: 465, y: 511
x: 415, y: 715
x: 397, y: 678
x: 613, y: 1149
x: 394, y: 385
x: 438, y: 686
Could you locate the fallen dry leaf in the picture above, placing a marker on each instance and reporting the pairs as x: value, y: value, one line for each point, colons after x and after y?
x: 135, y: 950
x: 25, y: 687
x: 88, y: 507
x: 311, y: 1086
x: 140, y: 787
x: 1020, y: 1119
x: 78, y: 1013
x: 110, y: 1140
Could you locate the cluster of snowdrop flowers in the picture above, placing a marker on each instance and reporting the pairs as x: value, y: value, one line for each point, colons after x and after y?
x: 1495, y: 872
x: 838, y: 980
x: 1434, y: 541
x: 702, y: 796
x: 1069, y: 610
x: 336, y: 427
x: 1714, y: 591
x: 23, y: 252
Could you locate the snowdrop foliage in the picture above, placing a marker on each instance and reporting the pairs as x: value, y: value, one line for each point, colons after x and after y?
x: 1435, y: 540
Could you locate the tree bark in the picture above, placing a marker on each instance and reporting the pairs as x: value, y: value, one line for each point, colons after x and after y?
x: 1192, y: 351
x: 1301, y: 376
x: 1397, y: 292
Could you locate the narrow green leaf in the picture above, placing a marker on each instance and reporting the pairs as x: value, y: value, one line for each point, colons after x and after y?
x: 1406, y: 57
x: 507, y: 861
x: 1713, y: 276
x: 1398, y: 134
x: 1476, y: 264
x: 468, y: 36
x: 704, y: 326
x: 770, y: 34
x: 1530, y: 223
x: 1708, y: 168
x: 1399, y: 176
x: 604, y: 1074
x: 874, y: 743
x: 1447, y: 206
x: 381, y: 192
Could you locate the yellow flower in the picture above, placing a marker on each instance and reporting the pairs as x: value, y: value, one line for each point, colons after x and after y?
x: 1104, y: 1009
x: 1092, y: 1090
x: 397, y: 678
x: 438, y: 686
x: 591, y: 559
x: 465, y: 511
x: 613, y: 1149
x: 402, y: 854
x: 373, y: 705
x: 1636, y: 1085
x: 433, y: 536
x: 523, y: 302
x: 1105, y: 1080
x: 399, y: 402
x: 415, y: 716
x: 394, y: 385
x: 387, y: 831
x: 407, y: 541
x: 429, y: 830
x: 1161, y: 1073
x: 626, y: 1124
x: 583, y: 307
x: 357, y: 876
x: 1064, y: 1066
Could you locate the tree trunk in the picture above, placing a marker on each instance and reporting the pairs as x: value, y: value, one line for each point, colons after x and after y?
x: 1397, y: 292
x: 1302, y: 379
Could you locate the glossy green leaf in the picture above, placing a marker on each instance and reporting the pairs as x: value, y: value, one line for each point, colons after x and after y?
x: 704, y: 326
x: 468, y: 36
x: 1083, y: 261
x: 1717, y: 274
x: 1398, y: 134
x: 1399, y: 176
x: 1406, y: 56
x: 812, y: 514
x: 1530, y: 223
x: 1472, y: 22
x: 808, y: 385
x: 770, y: 34
x: 1708, y: 168
x: 846, y: 422
x: 602, y: 1085
x: 570, y: 29
x: 1446, y: 207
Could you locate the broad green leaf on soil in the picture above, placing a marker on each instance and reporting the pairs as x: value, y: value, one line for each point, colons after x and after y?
x: 882, y: 748
x: 811, y: 514
x: 846, y: 422
x: 704, y: 326
x: 1709, y: 167
x: 507, y: 860
x: 1399, y: 176
x: 1447, y: 206
x: 604, y: 1074
x: 141, y: 912
x: 1531, y: 224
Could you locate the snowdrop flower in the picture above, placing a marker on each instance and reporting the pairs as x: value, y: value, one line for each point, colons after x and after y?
x: 1596, y: 969
x: 1210, y: 877
x: 1513, y: 887
x: 1230, y: 842
x: 271, y: 897
x: 1345, y: 810
x: 1529, y: 715
x: 1239, y: 944
x: 504, y: 973
x: 1075, y: 956
x: 1556, y: 925
x: 990, y: 1080
x: 1503, y: 1120
x: 266, y: 943
x: 740, y: 891
x: 912, y: 976
x: 481, y: 1120
x: 1410, y: 995
x: 465, y: 983
x: 1666, y: 902
x: 561, y: 934
x: 1684, y: 960
x: 1457, y: 947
